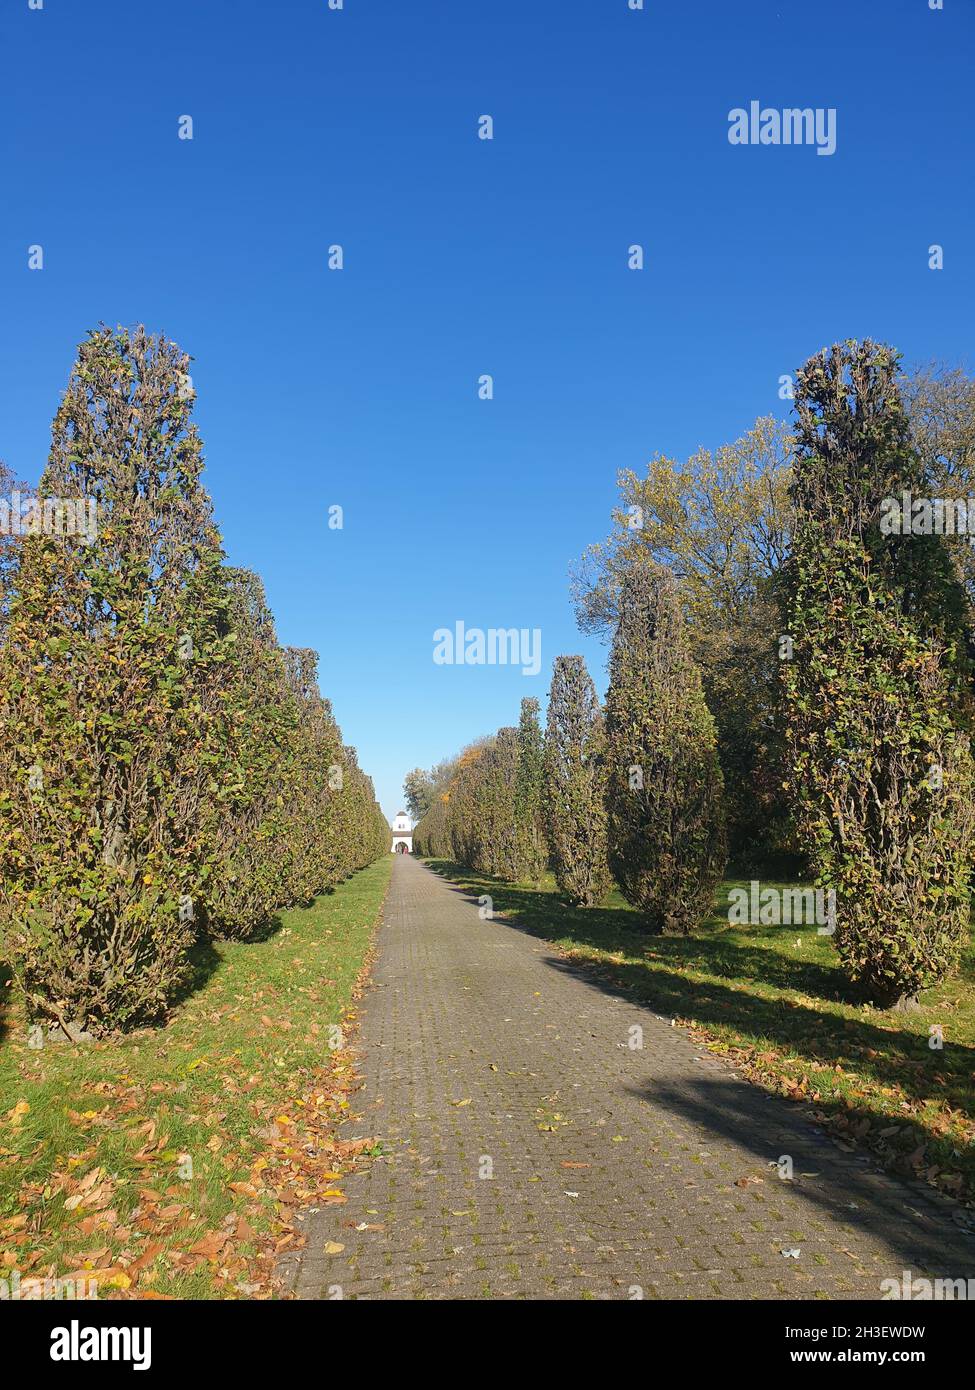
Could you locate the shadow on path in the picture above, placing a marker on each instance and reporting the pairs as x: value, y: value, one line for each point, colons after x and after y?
x: 892, y: 1059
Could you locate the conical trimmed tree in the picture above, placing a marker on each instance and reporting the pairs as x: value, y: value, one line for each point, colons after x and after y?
x: 528, y: 794
x: 111, y: 717
x: 251, y: 811
x: 878, y: 690
x: 664, y: 790
x: 316, y: 783
x: 493, y: 826
x: 574, y: 781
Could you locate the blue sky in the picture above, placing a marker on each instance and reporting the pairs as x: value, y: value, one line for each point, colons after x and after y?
x: 463, y: 257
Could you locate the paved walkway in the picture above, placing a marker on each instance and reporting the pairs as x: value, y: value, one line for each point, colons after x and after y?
x: 528, y: 1152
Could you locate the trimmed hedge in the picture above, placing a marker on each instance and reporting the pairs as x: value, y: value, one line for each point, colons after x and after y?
x: 664, y: 789
x: 166, y: 769
x: 574, y: 782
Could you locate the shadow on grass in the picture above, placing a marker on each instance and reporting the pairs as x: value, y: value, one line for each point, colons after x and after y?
x: 796, y: 1029
x: 205, y: 957
x: 269, y: 928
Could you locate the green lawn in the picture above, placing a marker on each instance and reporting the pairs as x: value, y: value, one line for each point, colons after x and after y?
x: 774, y: 1000
x: 171, y: 1162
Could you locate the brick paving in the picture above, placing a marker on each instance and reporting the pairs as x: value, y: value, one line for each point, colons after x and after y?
x: 529, y: 1152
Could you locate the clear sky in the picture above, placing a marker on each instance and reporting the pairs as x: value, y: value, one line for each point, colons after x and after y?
x: 463, y: 256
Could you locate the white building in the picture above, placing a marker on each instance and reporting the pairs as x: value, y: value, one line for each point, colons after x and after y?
x: 402, y: 834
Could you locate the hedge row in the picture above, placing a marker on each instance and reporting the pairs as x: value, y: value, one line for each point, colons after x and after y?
x: 167, y: 770
x: 787, y: 646
x: 637, y: 791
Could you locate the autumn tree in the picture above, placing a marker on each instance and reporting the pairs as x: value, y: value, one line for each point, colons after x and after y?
x: 574, y: 783
x: 450, y: 828
x: 419, y: 792
x: 664, y: 791
x: 720, y: 523
x: 940, y: 405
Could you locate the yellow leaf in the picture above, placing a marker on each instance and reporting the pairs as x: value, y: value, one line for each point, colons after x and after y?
x: 333, y: 1247
x: 18, y: 1112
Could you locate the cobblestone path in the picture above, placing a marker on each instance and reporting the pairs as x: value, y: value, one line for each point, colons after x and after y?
x: 529, y: 1152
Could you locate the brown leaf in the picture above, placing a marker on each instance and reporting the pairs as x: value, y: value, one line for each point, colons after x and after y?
x: 146, y: 1258
x: 211, y: 1245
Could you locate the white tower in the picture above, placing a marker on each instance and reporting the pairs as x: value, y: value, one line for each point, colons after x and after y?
x: 402, y: 834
